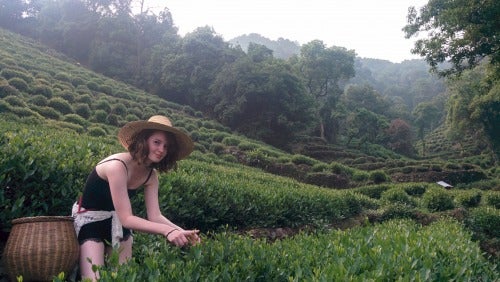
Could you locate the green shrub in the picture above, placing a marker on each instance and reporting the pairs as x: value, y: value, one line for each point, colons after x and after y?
x: 100, y: 116
x: 11, y: 73
x: 47, y: 112
x: 438, y: 199
x: 493, y: 199
x: 397, y: 195
x: 4, y: 106
x: 415, y: 189
x: 38, y: 100
x: 62, y: 76
x: 77, y: 81
x: 106, y: 89
x: 468, y: 198
x: 231, y: 141
x: 320, y: 167
x: 60, y: 105
x: 7, y: 90
x: 76, y: 119
x: 217, y: 148
x: 485, y: 221
x: 397, y: 210
x: 373, y: 191
x: 119, y: 110
x: 102, y: 104
x: 113, y: 119
x: 301, y: 159
x: 83, y: 110
x: 339, y: 168
x: 96, y: 131
x: 247, y: 146
x: 92, y: 85
x: 67, y: 95
x: 19, y: 84
x: 15, y: 101
x: 379, y: 176
x: 84, y: 99
x: 360, y: 176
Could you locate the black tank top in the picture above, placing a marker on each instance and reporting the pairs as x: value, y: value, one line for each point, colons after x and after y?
x: 97, y: 194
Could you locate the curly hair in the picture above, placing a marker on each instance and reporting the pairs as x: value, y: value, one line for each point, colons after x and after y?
x: 139, y: 150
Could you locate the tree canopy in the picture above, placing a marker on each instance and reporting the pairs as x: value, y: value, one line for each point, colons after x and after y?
x: 462, y: 32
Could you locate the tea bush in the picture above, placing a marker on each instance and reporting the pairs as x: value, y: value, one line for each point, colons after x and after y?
x: 397, y: 195
x: 19, y: 84
x: 60, y: 105
x: 468, y: 198
x: 398, y: 250
x: 378, y: 176
x: 42, y: 171
x: 438, y: 199
x: 485, y: 221
x: 493, y: 199
x: 47, y: 112
x: 38, y: 100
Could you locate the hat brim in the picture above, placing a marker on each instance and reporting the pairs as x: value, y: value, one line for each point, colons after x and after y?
x: 184, y: 143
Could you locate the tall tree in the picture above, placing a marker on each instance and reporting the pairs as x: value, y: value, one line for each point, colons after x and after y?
x: 189, y: 71
x: 323, y: 69
x: 462, y: 32
x: 263, y: 99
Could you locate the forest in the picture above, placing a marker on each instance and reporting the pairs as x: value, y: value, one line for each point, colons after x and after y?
x: 297, y: 146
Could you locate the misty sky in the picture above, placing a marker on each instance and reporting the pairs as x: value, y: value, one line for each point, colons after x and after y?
x: 371, y: 27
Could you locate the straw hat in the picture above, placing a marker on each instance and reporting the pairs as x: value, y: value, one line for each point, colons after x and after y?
x: 184, y: 143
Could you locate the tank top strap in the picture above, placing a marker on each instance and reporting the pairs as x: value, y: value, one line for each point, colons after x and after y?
x: 149, y: 176
x: 114, y: 159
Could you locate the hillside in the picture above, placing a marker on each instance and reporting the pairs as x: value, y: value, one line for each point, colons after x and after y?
x: 38, y: 83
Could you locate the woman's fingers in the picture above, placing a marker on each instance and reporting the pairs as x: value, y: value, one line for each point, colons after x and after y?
x: 181, y: 238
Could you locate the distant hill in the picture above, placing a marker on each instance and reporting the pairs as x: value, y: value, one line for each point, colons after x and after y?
x: 282, y: 48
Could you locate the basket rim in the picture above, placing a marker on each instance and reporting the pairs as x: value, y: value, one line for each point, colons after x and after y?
x: 41, y: 219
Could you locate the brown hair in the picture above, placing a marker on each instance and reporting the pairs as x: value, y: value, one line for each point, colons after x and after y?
x: 139, y: 150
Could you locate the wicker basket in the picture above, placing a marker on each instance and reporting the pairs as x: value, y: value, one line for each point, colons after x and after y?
x: 39, y: 248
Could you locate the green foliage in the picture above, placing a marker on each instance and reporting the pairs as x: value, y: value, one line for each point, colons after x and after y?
x: 492, y: 199
x: 15, y: 101
x: 42, y: 171
x: 379, y: 176
x: 438, y: 199
x: 397, y: 195
x: 48, y: 112
x: 96, y: 131
x: 231, y: 141
x: 84, y: 110
x: 60, y: 105
x: 74, y: 118
x: 398, y: 250
x: 210, y: 196
x: 301, y: 159
x: 12, y: 73
x: 485, y: 221
x: 19, y: 84
x: 7, y: 90
x: 443, y: 20
x: 415, y: 189
x: 38, y: 100
x: 468, y: 198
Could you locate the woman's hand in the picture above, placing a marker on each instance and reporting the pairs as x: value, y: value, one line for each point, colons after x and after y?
x: 181, y: 237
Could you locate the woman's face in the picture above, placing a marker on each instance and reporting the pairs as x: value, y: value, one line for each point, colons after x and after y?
x: 158, y: 146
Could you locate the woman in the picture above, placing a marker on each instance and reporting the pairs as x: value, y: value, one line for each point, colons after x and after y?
x: 103, y: 215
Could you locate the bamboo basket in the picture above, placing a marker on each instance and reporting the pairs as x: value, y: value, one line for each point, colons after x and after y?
x: 39, y: 248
